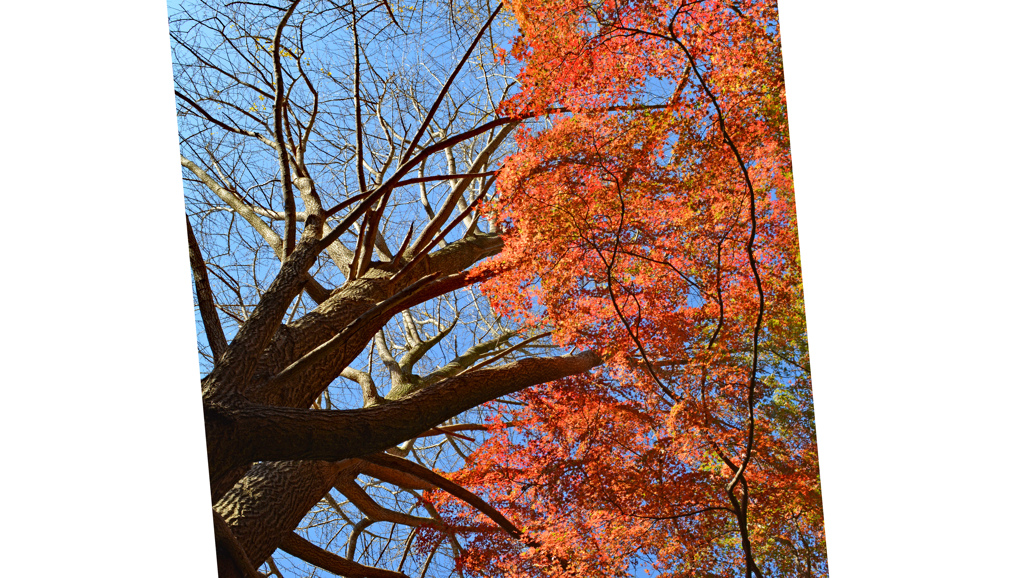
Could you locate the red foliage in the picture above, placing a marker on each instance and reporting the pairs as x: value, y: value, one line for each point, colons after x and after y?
x: 652, y: 219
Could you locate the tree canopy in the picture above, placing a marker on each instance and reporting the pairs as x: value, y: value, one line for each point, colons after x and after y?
x: 498, y: 289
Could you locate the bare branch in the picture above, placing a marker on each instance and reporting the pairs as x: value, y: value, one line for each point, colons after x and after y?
x: 279, y: 136
x: 444, y: 89
x: 438, y: 221
x: 375, y: 511
x: 447, y: 485
x: 204, y: 295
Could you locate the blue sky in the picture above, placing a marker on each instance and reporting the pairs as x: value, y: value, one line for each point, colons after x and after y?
x: 947, y: 401
x: 878, y: 183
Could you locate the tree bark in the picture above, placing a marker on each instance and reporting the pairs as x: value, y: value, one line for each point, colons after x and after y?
x: 345, y: 305
x: 246, y: 433
x: 300, y: 548
x: 260, y: 514
x: 263, y: 503
x: 271, y: 499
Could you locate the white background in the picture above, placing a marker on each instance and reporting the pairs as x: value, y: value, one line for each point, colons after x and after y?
x: 906, y: 129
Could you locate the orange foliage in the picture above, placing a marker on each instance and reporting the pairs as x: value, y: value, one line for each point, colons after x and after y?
x: 652, y: 218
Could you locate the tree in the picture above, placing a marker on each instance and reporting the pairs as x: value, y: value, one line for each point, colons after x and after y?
x: 663, y: 237
x: 341, y: 197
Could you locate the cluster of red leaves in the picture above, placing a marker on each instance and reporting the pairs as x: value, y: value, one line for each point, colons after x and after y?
x: 628, y: 221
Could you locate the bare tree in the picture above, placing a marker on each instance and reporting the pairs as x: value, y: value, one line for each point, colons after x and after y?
x: 336, y: 156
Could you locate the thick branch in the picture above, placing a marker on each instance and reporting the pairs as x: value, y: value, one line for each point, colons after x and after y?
x: 260, y: 516
x: 417, y: 351
x: 376, y: 316
x: 247, y: 433
x: 346, y: 304
x: 403, y: 480
x: 416, y: 470
x: 464, y: 361
x: 204, y: 294
x: 230, y: 554
x: 252, y: 216
x: 240, y: 358
x: 438, y: 220
x: 301, y: 548
x: 238, y: 205
x: 370, y: 395
x: 374, y: 511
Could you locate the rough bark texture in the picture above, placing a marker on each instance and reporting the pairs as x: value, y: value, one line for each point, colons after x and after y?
x: 260, y: 515
x: 348, y: 302
x: 344, y: 306
x: 272, y: 457
x: 289, y: 490
x: 252, y: 416
x: 238, y: 364
x: 249, y: 433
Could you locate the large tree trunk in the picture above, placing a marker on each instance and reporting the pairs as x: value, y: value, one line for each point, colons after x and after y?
x: 268, y: 422
x: 345, y: 306
x: 267, y: 504
x: 260, y: 514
